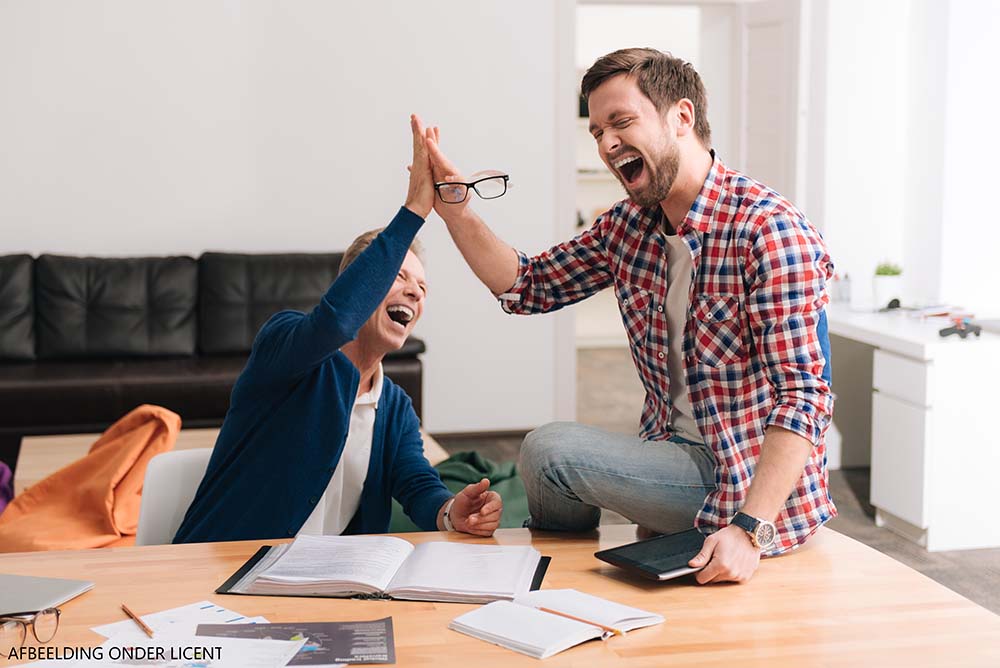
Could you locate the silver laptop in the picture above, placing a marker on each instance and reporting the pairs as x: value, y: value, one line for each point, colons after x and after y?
x: 22, y: 593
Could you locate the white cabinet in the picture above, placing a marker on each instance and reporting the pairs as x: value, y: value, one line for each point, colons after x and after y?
x: 899, y: 463
x: 935, y: 450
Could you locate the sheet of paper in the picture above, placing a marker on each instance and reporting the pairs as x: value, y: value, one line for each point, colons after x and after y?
x: 177, y: 621
x: 370, y: 560
x: 328, y: 643
x: 189, y: 651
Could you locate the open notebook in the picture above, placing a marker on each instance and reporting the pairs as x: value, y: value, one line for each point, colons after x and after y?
x: 389, y: 567
x: 520, y: 625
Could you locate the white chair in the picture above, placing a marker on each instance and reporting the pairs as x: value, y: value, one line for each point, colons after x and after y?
x: 171, y: 480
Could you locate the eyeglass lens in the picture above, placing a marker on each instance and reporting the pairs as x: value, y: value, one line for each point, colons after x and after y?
x: 453, y: 194
x: 46, y: 624
x: 491, y: 188
x: 11, y: 635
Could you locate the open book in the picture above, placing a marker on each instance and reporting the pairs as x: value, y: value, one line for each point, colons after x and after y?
x: 522, y: 626
x: 389, y: 567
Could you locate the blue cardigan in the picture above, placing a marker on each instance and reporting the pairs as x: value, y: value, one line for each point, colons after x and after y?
x: 290, y: 412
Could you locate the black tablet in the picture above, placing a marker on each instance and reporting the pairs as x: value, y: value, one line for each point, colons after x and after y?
x: 660, y: 558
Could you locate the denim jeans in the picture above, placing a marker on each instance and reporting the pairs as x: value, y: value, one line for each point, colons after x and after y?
x: 572, y: 471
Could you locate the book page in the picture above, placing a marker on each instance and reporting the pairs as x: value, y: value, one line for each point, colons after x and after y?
x: 591, y: 608
x: 369, y: 560
x: 497, y: 571
x: 522, y: 629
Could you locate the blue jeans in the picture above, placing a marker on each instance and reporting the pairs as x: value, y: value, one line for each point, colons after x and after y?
x: 572, y: 471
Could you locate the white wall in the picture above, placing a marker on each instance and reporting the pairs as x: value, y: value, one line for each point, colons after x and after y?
x: 154, y: 128
x: 970, y: 226
x: 911, y: 142
x: 866, y: 149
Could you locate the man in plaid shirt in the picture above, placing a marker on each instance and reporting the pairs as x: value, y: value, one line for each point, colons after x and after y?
x: 721, y: 284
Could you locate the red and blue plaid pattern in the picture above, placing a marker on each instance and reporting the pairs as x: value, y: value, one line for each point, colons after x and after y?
x: 752, y: 353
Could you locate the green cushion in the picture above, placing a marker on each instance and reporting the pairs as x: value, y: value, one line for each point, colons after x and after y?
x: 464, y: 468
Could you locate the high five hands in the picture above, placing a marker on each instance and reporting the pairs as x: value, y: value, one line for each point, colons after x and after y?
x: 420, y: 195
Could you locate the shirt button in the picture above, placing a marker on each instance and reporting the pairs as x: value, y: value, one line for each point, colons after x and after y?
x: 313, y: 500
x: 290, y: 532
x: 660, y: 309
x: 660, y: 355
x: 331, y: 469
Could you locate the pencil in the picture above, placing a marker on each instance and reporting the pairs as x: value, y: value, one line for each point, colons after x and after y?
x: 609, y: 629
x: 138, y: 620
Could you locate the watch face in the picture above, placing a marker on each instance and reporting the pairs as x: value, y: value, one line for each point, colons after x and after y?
x: 765, y: 534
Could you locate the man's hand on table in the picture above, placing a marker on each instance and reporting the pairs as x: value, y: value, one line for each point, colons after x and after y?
x: 730, y: 555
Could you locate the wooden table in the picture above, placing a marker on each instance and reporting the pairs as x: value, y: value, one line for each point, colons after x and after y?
x: 834, y: 602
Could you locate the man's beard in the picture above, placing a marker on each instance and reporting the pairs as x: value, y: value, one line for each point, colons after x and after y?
x: 661, y: 178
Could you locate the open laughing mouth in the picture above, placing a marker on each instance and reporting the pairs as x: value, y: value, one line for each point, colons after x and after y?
x: 630, y: 168
x: 400, y: 314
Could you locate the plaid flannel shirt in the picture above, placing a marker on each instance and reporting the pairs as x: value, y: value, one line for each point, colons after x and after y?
x: 752, y: 351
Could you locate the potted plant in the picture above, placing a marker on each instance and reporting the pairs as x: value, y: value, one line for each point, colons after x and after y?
x: 887, y: 283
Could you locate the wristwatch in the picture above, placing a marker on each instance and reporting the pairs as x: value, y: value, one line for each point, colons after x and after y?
x: 762, y: 533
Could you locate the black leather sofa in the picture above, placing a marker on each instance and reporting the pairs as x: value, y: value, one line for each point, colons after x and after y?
x: 84, y: 340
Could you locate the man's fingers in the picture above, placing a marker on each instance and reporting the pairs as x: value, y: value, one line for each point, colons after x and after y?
x: 475, y: 489
x: 709, y: 573
x: 705, y: 554
x: 438, y: 158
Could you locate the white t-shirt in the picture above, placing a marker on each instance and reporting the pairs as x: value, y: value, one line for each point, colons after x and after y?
x: 679, y: 267
x: 342, y: 497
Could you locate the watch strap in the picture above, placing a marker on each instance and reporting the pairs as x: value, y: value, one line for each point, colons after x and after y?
x: 446, y: 515
x: 748, y: 523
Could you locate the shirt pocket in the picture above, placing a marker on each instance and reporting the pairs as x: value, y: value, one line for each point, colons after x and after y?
x: 719, y: 330
x: 633, y: 302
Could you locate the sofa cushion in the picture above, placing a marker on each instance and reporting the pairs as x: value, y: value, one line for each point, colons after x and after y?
x: 17, y: 316
x: 239, y: 292
x: 86, y: 306
x: 52, y: 396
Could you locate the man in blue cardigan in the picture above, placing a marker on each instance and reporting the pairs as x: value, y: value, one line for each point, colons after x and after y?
x: 316, y: 439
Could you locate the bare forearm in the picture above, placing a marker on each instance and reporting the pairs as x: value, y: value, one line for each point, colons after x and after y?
x: 782, y: 459
x: 493, y: 261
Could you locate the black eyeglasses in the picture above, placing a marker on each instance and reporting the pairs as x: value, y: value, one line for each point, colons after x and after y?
x: 14, y: 628
x: 488, y: 187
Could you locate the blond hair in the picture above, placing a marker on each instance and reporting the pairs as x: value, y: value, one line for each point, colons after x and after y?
x: 365, y: 240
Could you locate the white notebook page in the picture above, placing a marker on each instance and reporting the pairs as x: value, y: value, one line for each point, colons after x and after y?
x: 441, y: 566
x: 591, y: 608
x: 370, y: 560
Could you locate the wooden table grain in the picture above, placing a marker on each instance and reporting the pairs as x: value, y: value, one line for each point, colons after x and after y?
x: 834, y: 602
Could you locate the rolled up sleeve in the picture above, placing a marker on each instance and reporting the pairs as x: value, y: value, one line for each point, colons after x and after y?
x: 562, y: 275
x: 787, y: 269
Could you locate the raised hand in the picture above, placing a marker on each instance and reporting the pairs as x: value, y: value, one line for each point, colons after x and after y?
x: 443, y: 171
x: 420, y: 196
x: 476, y: 509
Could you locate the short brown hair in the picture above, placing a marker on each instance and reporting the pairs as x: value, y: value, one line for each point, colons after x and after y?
x: 662, y: 78
x: 365, y: 240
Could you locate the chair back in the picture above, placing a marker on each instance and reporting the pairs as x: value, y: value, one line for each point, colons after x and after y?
x: 171, y: 481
